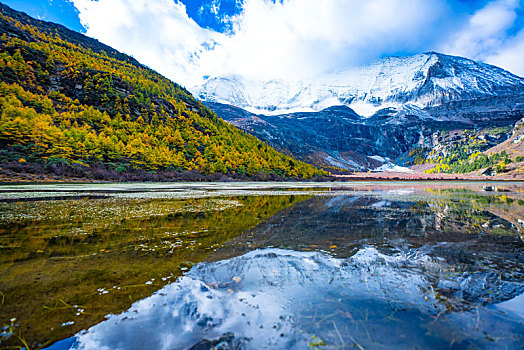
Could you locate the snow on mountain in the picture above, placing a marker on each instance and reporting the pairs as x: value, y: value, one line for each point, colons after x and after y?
x: 415, y: 82
x: 393, y: 168
x: 382, y: 109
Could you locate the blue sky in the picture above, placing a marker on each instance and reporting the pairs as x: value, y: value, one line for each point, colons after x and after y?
x: 208, y: 14
x: 291, y: 39
x: 58, y: 11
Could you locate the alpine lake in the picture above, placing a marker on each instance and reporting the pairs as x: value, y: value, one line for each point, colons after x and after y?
x: 342, y: 265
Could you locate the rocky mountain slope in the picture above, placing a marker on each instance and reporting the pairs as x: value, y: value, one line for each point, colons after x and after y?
x: 357, y: 119
x: 514, y: 145
x: 336, y: 136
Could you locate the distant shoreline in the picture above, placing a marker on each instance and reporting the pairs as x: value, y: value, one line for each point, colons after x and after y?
x: 391, y: 176
x: 26, y: 178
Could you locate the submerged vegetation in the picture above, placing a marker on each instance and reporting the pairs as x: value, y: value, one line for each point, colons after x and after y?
x: 69, y: 102
x: 65, y: 265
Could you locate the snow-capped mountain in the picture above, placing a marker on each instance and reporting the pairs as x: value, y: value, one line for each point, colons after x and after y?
x: 420, y: 81
x: 365, y: 117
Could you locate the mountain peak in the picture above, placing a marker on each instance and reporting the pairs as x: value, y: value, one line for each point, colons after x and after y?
x: 340, y: 109
x: 424, y: 80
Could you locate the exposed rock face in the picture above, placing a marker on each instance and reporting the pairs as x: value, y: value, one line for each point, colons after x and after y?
x: 339, y: 137
x: 482, y: 112
x: 358, y: 118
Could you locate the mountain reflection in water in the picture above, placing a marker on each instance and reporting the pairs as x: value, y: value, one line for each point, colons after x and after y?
x: 276, y: 298
x: 365, y: 267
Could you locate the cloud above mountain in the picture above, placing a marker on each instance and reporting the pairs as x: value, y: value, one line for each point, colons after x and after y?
x: 299, y: 38
x: 493, y: 34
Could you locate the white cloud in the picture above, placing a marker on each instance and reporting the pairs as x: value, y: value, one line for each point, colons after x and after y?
x: 485, y: 36
x: 306, y: 37
x: 296, y: 38
x: 156, y: 32
x: 509, y: 55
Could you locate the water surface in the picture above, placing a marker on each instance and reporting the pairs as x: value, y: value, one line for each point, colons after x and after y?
x: 247, y: 265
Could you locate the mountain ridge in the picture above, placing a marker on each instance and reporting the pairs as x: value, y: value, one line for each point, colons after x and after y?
x: 386, y: 110
x: 424, y: 80
x: 72, y: 36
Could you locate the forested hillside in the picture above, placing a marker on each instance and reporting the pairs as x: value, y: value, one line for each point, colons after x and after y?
x: 70, y: 102
x: 488, y: 151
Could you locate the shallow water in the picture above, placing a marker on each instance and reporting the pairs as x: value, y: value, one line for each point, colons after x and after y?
x: 249, y: 265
